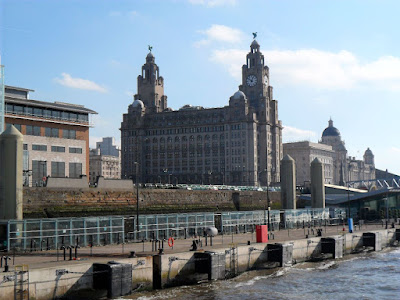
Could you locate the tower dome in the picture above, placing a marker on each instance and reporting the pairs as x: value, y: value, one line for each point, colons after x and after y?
x: 368, y: 152
x: 255, y: 44
x: 330, y: 130
x: 138, y: 103
x: 238, y: 95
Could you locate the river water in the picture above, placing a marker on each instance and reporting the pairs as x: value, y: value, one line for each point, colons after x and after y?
x: 366, y: 276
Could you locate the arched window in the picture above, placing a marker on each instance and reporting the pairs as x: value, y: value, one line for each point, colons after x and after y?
x: 162, y: 140
x: 199, y: 138
x: 177, y: 139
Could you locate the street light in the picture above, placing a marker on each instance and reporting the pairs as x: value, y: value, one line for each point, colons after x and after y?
x: 268, y: 200
x: 165, y: 174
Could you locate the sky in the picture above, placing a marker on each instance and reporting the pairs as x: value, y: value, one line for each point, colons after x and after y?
x: 327, y: 59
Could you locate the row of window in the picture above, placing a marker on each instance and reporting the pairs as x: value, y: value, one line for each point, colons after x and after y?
x: 39, y: 170
x: 54, y: 148
x: 48, y: 131
x: 46, y: 113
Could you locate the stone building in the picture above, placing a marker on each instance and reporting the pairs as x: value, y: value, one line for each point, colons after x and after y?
x: 347, y: 168
x: 331, y: 151
x: 304, y: 153
x: 105, y: 161
x: 55, y: 135
x: 240, y: 143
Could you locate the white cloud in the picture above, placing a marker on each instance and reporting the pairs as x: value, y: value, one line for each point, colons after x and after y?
x: 292, y: 134
x: 395, y: 150
x: 79, y: 83
x: 319, y: 69
x: 131, y: 14
x: 214, y: 3
x: 220, y: 33
x: 93, y: 140
x: 232, y: 59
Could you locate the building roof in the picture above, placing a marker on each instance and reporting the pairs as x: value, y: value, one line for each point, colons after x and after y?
x: 55, y: 105
x: 17, y: 88
x: 330, y: 130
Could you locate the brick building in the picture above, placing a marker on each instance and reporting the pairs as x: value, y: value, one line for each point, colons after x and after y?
x: 56, y: 135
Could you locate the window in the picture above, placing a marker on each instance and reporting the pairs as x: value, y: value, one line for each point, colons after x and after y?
x: 64, y: 115
x: 18, y: 109
x: 57, y: 169
x: 75, y: 170
x: 39, y: 147
x: 75, y: 150
x: 56, y: 114
x: 51, y: 132
x: 47, y: 113
x: 29, y: 111
x: 39, y: 171
x: 57, y: 149
x: 17, y: 126
x: 38, y: 112
x: 25, y: 147
x: 69, y: 134
x: 32, y: 130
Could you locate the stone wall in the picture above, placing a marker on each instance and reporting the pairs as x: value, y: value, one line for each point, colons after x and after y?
x: 46, y: 202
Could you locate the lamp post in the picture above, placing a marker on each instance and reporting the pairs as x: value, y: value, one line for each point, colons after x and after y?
x: 165, y: 174
x: 268, y: 200
x: 137, y: 197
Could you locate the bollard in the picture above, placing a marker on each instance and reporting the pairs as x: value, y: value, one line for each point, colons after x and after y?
x: 211, y: 238
x: 76, y: 252
x: 64, y: 249
x: 143, y: 245
x: 185, y: 233
x: 70, y: 252
x: 206, y: 240
x: 6, y: 259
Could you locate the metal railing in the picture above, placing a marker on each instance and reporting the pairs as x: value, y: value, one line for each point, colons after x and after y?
x: 47, y: 234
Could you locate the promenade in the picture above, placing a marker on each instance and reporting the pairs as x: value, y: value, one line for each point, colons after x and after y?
x: 44, y: 259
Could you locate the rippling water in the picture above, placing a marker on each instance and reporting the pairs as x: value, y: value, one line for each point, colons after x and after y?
x: 369, y: 276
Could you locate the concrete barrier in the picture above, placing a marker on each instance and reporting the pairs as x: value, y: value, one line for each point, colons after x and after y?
x: 332, y: 245
x: 373, y: 239
x: 281, y: 253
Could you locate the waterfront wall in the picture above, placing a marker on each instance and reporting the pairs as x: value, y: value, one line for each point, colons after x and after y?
x: 57, y: 202
x: 168, y: 270
x: 44, y: 283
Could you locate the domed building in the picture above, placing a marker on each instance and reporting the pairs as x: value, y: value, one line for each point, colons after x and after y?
x: 238, y: 144
x: 347, y: 168
x: 339, y: 168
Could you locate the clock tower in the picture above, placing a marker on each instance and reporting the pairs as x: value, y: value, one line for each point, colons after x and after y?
x: 255, y: 85
x: 151, y: 86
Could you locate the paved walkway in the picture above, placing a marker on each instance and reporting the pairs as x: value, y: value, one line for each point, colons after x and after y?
x: 45, y: 259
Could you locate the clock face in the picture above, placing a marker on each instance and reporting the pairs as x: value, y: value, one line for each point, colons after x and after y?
x: 251, y: 80
x: 266, y: 80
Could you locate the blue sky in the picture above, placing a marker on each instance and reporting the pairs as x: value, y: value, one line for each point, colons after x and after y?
x: 338, y: 59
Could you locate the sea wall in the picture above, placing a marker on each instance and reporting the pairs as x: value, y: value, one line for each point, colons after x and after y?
x: 58, y: 202
x: 49, y: 283
x: 168, y: 270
